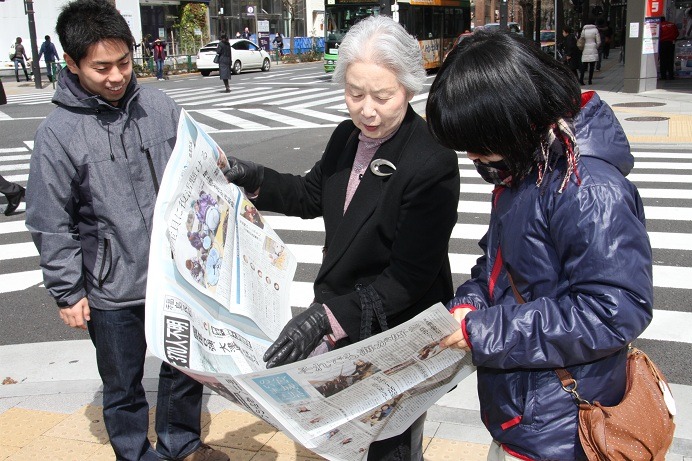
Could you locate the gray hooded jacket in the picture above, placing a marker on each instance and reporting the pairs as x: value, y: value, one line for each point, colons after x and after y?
x: 92, y: 187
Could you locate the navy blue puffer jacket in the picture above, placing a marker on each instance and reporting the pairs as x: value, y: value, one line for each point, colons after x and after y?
x: 582, y: 261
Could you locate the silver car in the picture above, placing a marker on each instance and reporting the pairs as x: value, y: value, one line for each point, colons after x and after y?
x: 245, y: 55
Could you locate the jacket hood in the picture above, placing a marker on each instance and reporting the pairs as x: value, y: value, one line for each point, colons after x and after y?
x: 600, y: 134
x: 70, y: 93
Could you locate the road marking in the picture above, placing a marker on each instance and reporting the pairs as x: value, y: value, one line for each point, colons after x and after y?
x: 11, y: 227
x: 225, y: 117
x: 316, y: 114
x: 276, y: 93
x: 667, y: 326
x: 17, y: 250
x: 285, y: 119
x: 10, y: 150
x: 673, y: 155
x: 19, y: 281
x: 300, y: 98
x: 671, y: 240
x: 14, y: 167
x: 15, y: 158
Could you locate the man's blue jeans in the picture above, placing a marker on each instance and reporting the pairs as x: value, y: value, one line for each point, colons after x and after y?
x: 120, y: 343
x: 159, y: 68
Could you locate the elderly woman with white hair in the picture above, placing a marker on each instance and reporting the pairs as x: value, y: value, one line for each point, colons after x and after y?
x: 388, y: 193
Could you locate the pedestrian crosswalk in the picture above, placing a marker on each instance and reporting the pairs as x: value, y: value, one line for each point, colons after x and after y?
x: 660, y: 176
x: 278, y: 101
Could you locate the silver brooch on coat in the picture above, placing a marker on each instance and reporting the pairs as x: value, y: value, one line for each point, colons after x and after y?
x: 380, y: 166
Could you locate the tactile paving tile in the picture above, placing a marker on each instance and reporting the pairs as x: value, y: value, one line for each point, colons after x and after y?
x: 103, y: 453
x: 18, y: 427
x: 6, y: 451
x: 237, y: 429
x: 86, y: 425
x: 280, y: 443
x: 55, y: 449
x: 453, y: 450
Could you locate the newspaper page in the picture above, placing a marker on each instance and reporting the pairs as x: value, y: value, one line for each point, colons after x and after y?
x: 218, y: 294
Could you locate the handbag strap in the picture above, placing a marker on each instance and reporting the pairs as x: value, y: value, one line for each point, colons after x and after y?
x: 569, y: 384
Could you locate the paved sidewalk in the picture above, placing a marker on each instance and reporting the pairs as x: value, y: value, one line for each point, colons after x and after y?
x: 50, y: 400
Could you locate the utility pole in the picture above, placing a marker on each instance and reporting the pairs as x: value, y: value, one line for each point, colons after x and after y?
x: 35, y: 65
x: 503, y: 14
x: 538, y: 24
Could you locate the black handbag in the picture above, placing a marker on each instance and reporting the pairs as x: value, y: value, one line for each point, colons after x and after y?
x: 216, y: 59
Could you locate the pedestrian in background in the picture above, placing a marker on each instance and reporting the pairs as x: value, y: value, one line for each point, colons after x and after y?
x: 666, y: 49
x: 224, y: 51
x: 14, y: 193
x: 607, y: 36
x: 159, y: 50
x: 591, y: 40
x: 571, y: 51
x: 386, y: 190
x: 552, y: 289
x: 19, y: 58
x: 246, y: 34
x: 97, y: 163
x: 600, y: 25
x: 279, y: 42
x: 50, y: 55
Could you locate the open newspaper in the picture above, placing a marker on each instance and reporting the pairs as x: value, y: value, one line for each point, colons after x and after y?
x: 218, y: 294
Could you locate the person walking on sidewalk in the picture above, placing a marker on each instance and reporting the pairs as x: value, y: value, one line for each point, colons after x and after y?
x: 14, y: 193
x: 570, y: 50
x: 666, y: 49
x: 98, y: 161
x: 590, y: 40
x: 50, y: 54
x: 563, y: 291
x: 19, y: 58
x: 223, y: 50
x: 159, y: 49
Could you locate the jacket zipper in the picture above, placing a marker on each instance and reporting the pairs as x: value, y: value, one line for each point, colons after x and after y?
x: 106, y: 253
x: 152, y: 170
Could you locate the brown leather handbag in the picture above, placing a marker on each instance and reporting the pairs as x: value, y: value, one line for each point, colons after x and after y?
x: 640, y: 427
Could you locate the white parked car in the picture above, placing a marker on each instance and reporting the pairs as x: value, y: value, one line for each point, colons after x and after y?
x: 245, y: 55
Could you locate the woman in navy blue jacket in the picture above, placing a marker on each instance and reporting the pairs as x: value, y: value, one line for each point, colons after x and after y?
x: 566, y: 226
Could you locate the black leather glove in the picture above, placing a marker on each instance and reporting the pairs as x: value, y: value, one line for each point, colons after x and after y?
x: 248, y: 175
x: 299, y: 337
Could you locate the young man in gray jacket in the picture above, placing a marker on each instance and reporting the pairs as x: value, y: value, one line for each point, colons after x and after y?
x: 97, y: 163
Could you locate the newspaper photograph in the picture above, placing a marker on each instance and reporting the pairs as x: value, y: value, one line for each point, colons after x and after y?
x: 218, y: 294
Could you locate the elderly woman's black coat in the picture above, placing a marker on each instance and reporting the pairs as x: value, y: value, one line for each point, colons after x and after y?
x: 389, y: 251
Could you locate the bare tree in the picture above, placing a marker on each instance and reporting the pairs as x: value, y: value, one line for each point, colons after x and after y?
x: 291, y: 7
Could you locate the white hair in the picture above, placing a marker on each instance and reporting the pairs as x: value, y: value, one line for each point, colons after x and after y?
x: 382, y: 41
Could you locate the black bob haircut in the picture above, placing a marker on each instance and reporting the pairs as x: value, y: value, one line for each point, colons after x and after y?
x: 83, y: 23
x: 498, y: 93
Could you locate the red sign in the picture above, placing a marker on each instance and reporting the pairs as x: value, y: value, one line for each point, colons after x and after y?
x: 655, y: 8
